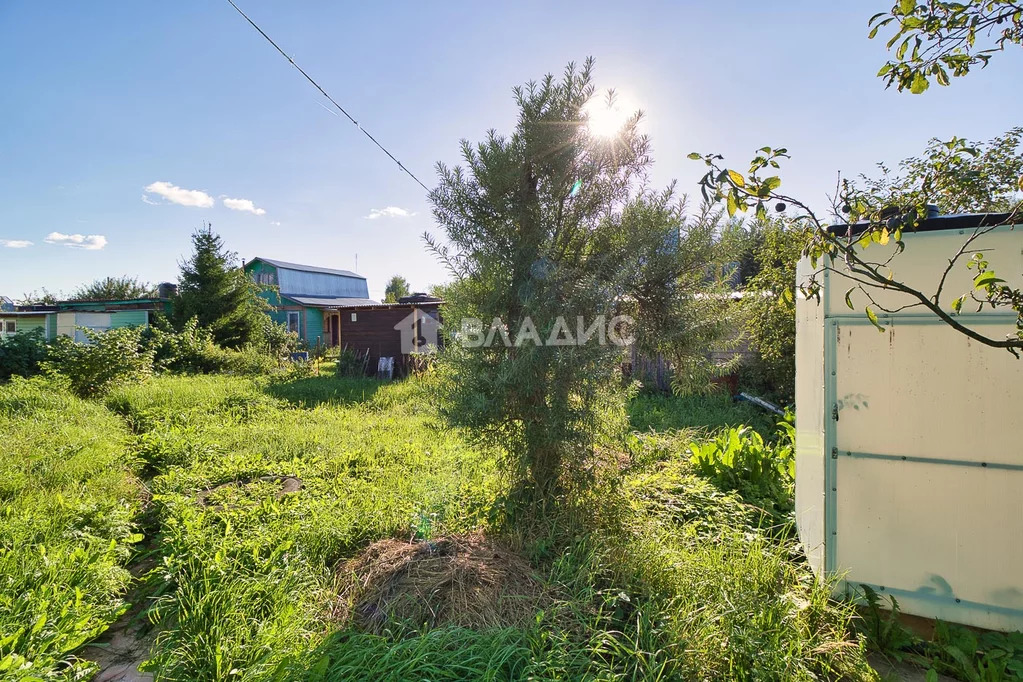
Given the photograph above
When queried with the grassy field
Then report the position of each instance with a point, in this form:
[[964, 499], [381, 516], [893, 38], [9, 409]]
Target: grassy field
[[241, 502]]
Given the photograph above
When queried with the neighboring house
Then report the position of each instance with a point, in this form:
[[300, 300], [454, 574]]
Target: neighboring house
[[66, 318], [309, 299]]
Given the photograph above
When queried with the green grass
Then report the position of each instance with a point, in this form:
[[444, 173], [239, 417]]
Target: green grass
[[656, 412], [656, 574], [69, 498]]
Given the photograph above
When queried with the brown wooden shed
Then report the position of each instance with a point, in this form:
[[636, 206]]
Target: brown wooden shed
[[391, 329]]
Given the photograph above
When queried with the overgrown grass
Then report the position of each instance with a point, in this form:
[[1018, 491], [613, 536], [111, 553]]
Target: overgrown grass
[[69, 498], [655, 574], [657, 412]]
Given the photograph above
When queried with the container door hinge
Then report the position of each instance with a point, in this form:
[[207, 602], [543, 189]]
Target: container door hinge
[[834, 412]]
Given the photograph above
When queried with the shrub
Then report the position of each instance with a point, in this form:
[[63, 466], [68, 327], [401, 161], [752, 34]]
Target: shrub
[[190, 350], [21, 354], [276, 340], [739, 459], [350, 363], [108, 359], [193, 350]]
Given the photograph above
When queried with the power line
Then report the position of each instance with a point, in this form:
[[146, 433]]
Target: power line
[[324, 93]]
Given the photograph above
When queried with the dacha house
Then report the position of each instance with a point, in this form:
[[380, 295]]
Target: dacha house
[[328, 307], [69, 318], [325, 307]]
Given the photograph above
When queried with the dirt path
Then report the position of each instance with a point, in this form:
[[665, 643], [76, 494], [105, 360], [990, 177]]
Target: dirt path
[[126, 643]]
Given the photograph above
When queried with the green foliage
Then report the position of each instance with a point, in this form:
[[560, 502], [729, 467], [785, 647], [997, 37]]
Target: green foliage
[[762, 473], [954, 650], [350, 363], [883, 211], [22, 354], [41, 297], [193, 350], [934, 38], [682, 312], [549, 223], [769, 306], [655, 574], [959, 175], [66, 527], [656, 412], [106, 360], [214, 290], [113, 288], [396, 288]]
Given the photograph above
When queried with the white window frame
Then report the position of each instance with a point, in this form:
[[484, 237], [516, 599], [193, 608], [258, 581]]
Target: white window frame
[[298, 321], [9, 332]]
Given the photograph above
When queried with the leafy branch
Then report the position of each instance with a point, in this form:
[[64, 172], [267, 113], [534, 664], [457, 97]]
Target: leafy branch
[[876, 222], [935, 37]]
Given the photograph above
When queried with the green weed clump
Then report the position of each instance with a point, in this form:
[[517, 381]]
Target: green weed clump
[[762, 473], [109, 359], [66, 527]]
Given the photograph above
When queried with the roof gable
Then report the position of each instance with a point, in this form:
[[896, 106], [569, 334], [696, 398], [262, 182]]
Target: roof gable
[[305, 268]]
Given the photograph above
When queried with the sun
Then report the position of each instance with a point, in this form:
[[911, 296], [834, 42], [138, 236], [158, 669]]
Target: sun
[[606, 116]]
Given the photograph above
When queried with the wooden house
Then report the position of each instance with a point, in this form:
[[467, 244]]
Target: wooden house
[[67, 318], [309, 299]]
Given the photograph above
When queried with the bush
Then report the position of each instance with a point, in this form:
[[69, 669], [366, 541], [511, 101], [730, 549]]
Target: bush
[[276, 340], [108, 359], [350, 363], [739, 459], [21, 354], [194, 351]]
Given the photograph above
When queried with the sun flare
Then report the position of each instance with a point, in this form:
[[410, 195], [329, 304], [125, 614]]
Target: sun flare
[[604, 118]]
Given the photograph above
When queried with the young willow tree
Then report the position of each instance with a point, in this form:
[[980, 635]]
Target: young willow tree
[[549, 238], [218, 293]]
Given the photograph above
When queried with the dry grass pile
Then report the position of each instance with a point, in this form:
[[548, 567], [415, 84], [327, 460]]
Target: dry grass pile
[[466, 581]]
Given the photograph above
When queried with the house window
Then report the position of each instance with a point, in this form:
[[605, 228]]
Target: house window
[[10, 326], [293, 317]]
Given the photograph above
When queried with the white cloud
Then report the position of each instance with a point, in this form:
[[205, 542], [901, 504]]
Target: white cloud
[[15, 243], [389, 212], [243, 205], [90, 242], [179, 195], [275, 223]]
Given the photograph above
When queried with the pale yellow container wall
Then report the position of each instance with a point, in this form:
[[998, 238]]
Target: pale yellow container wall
[[922, 263], [926, 390], [918, 484], [935, 530], [810, 425]]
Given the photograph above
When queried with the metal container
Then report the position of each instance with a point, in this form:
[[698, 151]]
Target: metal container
[[909, 447]]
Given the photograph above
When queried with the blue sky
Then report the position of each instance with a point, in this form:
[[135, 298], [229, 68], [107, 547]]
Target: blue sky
[[100, 101]]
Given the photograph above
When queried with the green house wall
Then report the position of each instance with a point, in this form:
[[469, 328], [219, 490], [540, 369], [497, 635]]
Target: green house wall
[[25, 323], [314, 326], [129, 318]]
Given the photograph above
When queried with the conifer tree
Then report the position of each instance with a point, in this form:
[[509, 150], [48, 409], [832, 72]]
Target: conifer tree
[[217, 292]]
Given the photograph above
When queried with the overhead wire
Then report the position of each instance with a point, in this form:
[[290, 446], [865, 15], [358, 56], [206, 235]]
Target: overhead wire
[[329, 98]]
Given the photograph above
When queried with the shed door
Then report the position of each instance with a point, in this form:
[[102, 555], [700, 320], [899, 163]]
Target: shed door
[[927, 487]]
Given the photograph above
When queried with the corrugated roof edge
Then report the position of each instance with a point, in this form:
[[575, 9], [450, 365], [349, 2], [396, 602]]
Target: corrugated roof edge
[[329, 301], [387, 306], [957, 221], [305, 268]]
